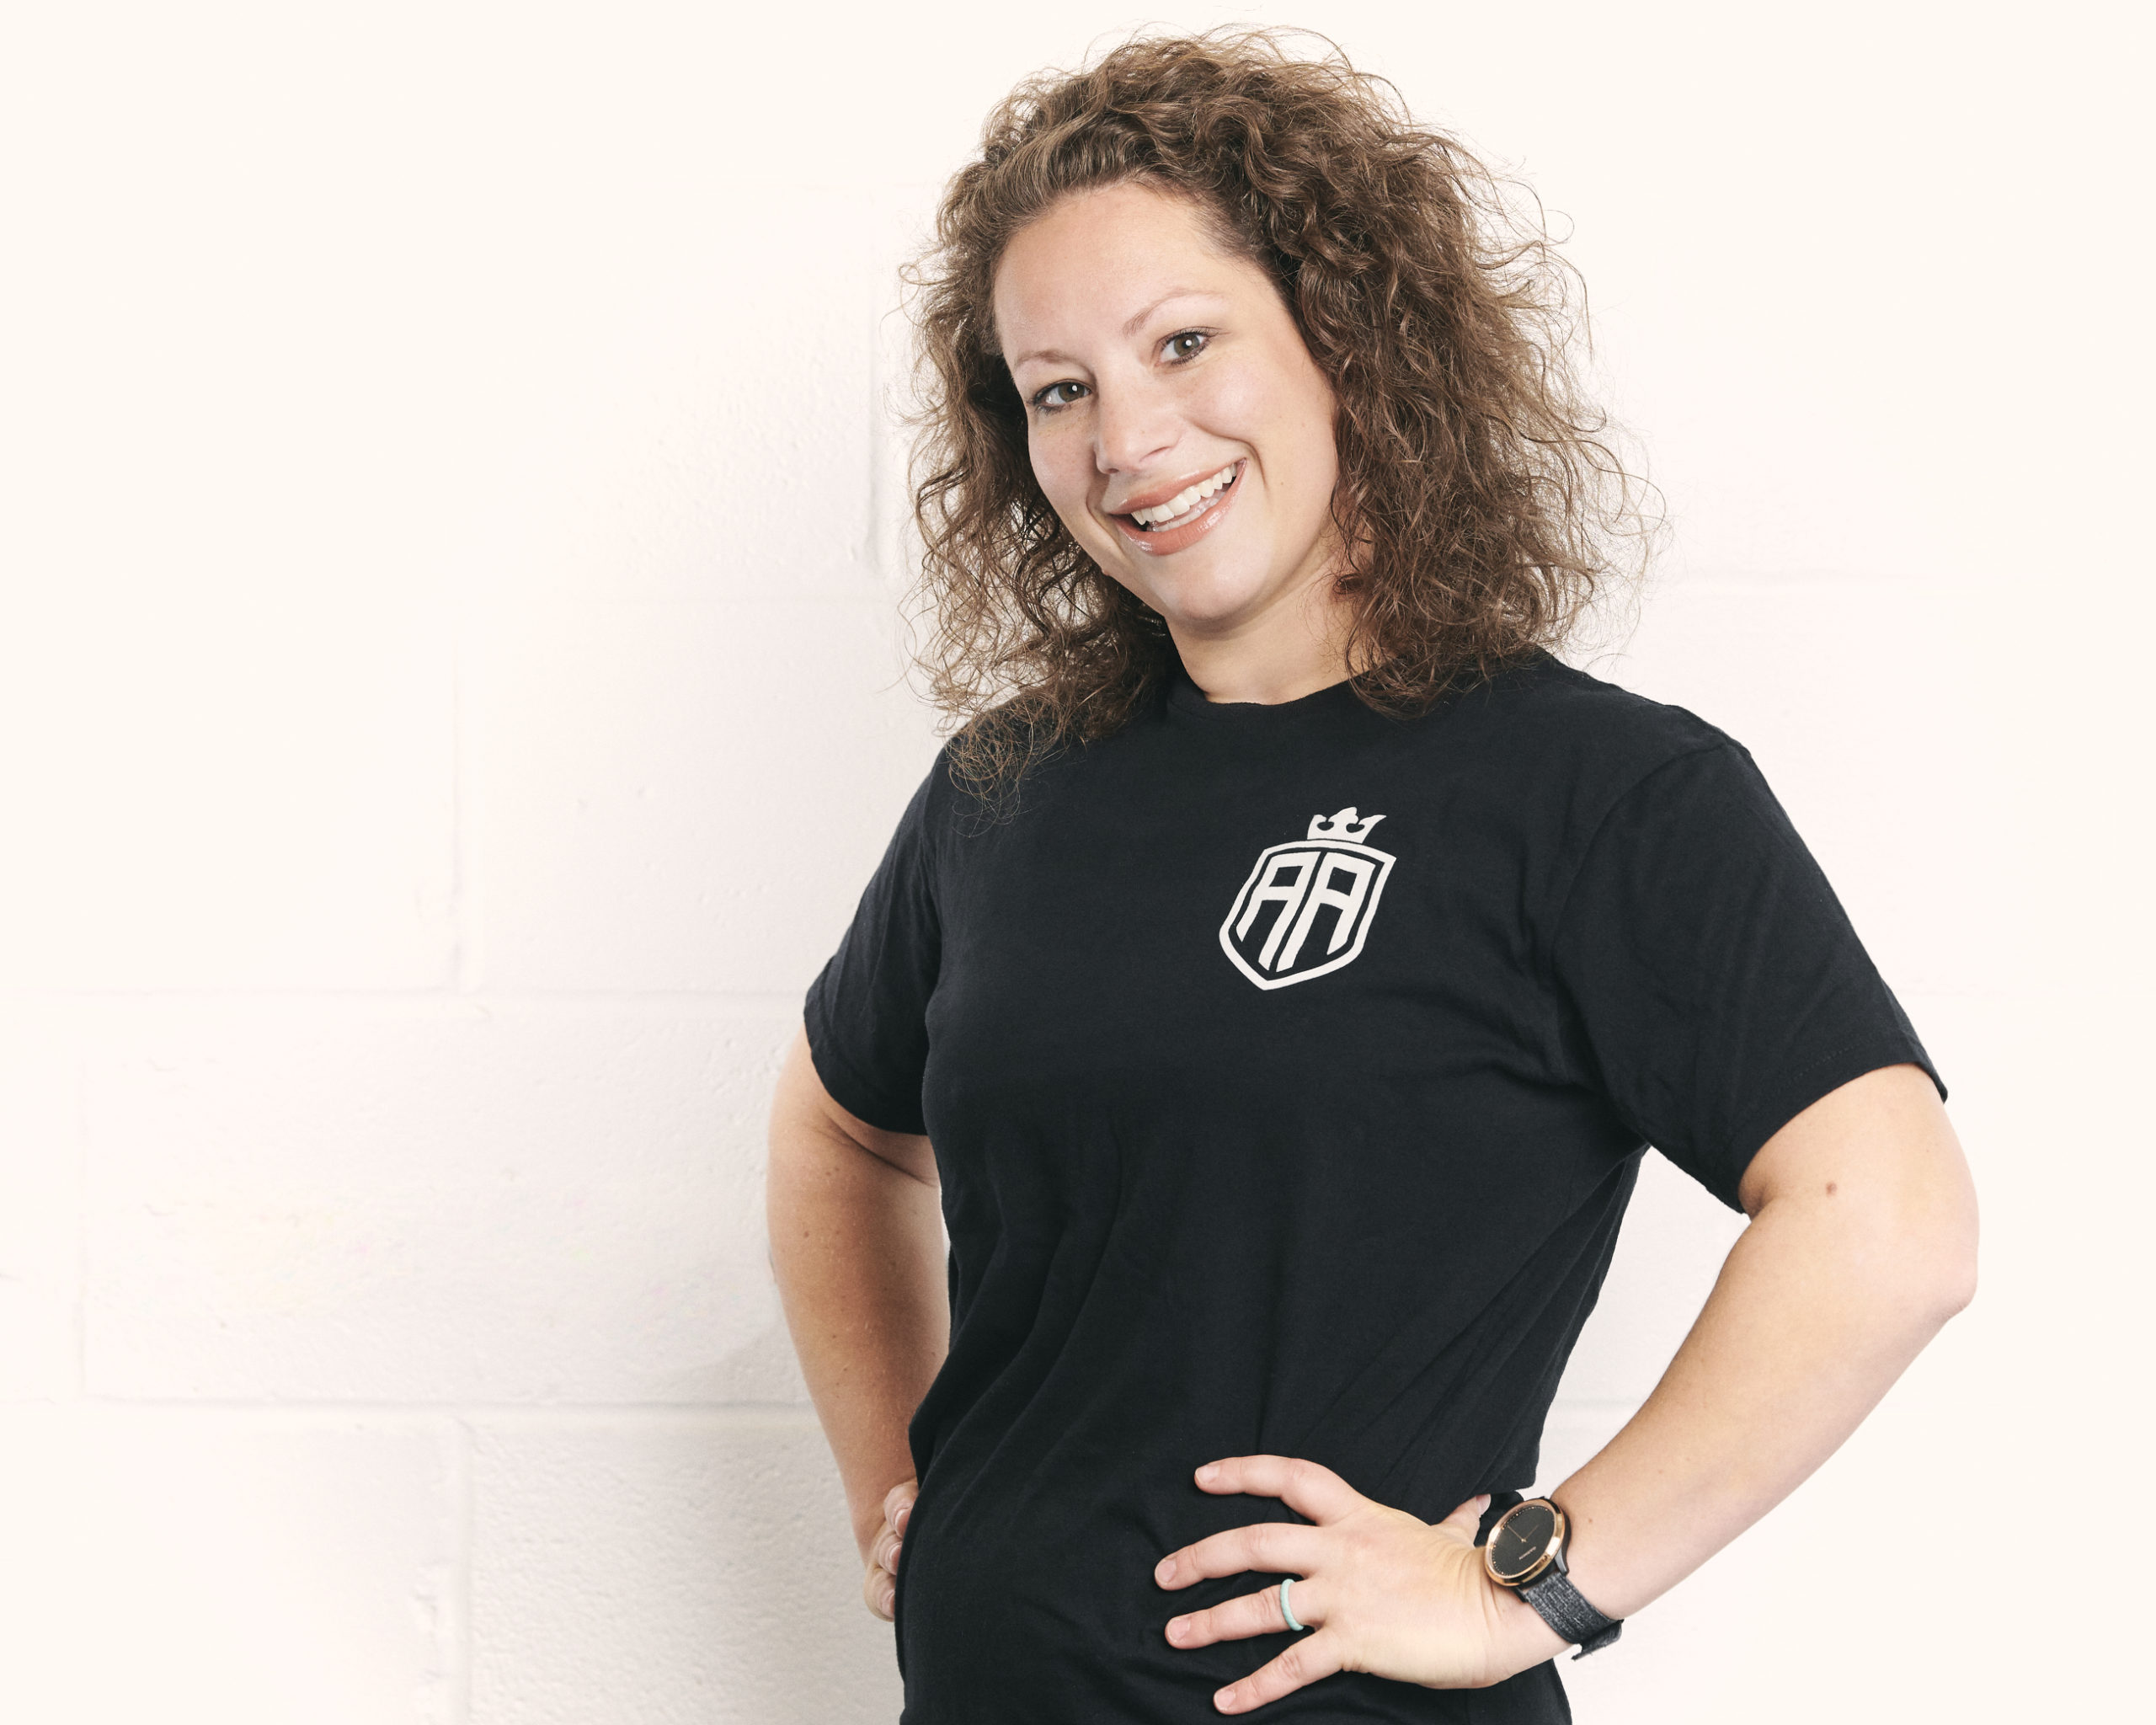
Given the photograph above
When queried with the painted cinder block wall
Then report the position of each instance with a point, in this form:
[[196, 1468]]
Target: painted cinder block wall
[[450, 696]]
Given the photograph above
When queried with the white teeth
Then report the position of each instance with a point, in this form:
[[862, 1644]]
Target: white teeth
[[1184, 501]]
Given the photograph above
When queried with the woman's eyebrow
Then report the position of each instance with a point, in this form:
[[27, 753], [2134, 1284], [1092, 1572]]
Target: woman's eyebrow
[[1137, 321], [1053, 354]]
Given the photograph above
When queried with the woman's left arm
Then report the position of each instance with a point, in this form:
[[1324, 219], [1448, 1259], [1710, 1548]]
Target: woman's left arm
[[1863, 1242]]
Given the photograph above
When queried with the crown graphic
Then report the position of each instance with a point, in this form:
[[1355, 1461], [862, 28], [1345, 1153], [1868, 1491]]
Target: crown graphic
[[1342, 825]]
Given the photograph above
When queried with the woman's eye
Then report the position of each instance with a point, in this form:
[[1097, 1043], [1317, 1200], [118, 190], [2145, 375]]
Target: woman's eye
[[1058, 395], [1185, 345]]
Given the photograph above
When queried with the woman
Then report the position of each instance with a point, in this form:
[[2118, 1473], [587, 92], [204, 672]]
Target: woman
[[1289, 973]]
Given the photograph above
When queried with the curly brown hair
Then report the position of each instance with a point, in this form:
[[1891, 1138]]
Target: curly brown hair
[[1480, 496]]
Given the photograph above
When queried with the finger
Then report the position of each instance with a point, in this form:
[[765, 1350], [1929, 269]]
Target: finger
[[1253, 1614], [1305, 1662], [897, 1502], [1305, 1487], [1468, 1518], [885, 1550], [1283, 1547], [879, 1594]]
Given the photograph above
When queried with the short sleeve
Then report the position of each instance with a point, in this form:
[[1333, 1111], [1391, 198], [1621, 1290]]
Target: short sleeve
[[1719, 988], [866, 1014]]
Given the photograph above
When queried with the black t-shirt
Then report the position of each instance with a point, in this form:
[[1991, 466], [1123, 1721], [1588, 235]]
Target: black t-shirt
[[1287, 1069]]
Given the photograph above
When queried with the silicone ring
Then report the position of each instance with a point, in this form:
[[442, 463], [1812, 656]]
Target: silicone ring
[[1288, 1610]]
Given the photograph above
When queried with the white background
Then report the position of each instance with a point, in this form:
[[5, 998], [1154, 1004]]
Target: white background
[[450, 699]]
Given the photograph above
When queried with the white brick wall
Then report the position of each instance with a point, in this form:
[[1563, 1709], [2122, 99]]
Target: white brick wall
[[449, 701]]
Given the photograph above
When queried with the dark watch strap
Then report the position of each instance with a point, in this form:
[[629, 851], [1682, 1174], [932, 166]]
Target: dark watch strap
[[1559, 1602]]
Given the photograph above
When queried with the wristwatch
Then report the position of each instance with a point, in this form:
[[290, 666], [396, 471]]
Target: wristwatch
[[1526, 1552]]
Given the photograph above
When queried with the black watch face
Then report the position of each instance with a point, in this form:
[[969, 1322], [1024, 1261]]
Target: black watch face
[[1519, 1542]]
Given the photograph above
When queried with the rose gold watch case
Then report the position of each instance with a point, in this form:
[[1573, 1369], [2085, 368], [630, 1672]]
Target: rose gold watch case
[[1543, 1560]]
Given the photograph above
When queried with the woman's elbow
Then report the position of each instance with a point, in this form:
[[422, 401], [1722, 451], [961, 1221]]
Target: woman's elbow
[[1956, 1271], [1933, 1244], [1905, 1251]]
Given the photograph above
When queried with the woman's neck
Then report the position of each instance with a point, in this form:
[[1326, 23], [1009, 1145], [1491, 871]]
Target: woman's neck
[[1283, 656]]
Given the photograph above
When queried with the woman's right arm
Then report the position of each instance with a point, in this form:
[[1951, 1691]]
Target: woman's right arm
[[856, 1243]]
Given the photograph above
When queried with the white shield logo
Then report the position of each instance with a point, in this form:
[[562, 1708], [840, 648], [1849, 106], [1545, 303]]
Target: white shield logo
[[1307, 905]]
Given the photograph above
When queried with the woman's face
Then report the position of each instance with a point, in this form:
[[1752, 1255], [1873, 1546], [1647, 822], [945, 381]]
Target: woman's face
[[1175, 420]]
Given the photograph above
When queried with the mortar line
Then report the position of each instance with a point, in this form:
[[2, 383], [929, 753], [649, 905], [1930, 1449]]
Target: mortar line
[[873, 532], [459, 819], [464, 1514], [79, 1306], [414, 996], [745, 1416]]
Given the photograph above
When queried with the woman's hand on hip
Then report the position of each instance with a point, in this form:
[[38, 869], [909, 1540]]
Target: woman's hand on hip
[[879, 1586], [1379, 1591]]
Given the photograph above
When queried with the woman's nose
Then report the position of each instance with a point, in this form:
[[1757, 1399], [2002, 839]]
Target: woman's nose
[[1134, 424]]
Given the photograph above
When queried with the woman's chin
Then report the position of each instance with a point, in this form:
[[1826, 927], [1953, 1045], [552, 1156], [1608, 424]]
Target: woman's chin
[[1206, 597], [1214, 610]]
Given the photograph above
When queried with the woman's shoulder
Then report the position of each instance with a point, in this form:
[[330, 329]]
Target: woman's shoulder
[[981, 775], [1543, 716]]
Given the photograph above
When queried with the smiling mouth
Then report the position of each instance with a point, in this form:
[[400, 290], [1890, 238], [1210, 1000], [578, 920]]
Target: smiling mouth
[[1186, 506]]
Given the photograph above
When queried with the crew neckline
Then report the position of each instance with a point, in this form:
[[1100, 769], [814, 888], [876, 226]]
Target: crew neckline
[[1187, 699]]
